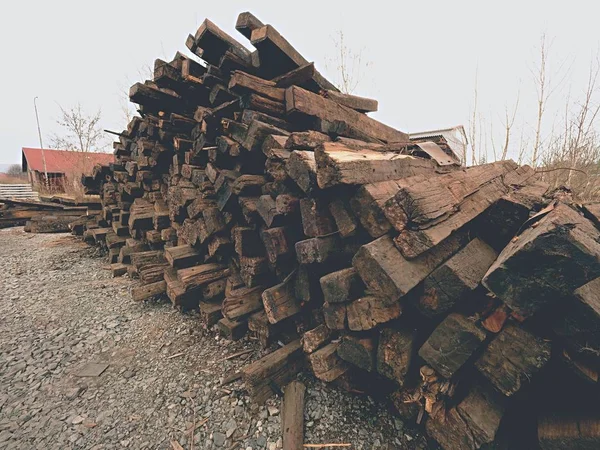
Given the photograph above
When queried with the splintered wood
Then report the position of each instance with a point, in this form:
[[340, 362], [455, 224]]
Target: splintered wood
[[251, 189]]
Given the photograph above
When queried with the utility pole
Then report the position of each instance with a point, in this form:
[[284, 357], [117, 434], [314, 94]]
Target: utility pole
[[41, 144]]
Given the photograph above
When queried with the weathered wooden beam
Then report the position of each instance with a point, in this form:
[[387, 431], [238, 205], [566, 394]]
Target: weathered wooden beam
[[386, 272], [452, 282], [452, 344], [275, 369], [299, 100], [360, 104], [292, 416], [546, 262], [337, 164]]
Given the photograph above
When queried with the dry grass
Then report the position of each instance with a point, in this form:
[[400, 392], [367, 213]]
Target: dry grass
[[10, 179]]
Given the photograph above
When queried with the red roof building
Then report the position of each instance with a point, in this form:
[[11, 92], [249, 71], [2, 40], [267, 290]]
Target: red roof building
[[62, 166]]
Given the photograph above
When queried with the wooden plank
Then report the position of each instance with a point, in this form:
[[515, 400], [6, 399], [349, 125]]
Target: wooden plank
[[292, 416], [299, 100]]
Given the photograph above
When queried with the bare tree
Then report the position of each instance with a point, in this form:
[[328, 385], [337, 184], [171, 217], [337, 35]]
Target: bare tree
[[349, 65], [573, 157], [82, 132], [15, 170], [545, 86], [473, 129], [509, 122]]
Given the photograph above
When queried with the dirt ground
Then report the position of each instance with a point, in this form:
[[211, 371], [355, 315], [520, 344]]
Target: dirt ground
[[84, 367]]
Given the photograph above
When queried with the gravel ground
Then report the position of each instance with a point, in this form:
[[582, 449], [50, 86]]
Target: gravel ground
[[61, 315]]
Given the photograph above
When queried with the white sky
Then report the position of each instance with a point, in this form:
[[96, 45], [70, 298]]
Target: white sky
[[424, 55]]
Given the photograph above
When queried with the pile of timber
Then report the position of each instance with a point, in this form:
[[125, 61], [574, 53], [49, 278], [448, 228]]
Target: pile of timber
[[39, 217], [250, 188]]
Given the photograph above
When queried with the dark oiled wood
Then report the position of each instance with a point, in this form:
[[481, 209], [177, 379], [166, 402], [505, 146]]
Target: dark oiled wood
[[338, 164], [343, 217], [342, 286], [201, 275], [512, 359], [396, 353], [147, 291], [367, 312], [292, 416], [182, 256], [386, 272], [359, 351], [280, 302], [242, 302], [214, 43], [316, 219], [278, 56], [278, 367], [246, 23], [441, 208], [580, 325], [546, 262], [210, 312], [456, 278], [306, 140], [326, 363], [279, 243], [470, 425], [317, 250], [302, 168], [234, 330], [243, 83], [257, 133], [368, 203], [296, 77], [452, 344], [299, 100], [265, 331], [563, 432], [360, 104], [315, 338], [335, 316]]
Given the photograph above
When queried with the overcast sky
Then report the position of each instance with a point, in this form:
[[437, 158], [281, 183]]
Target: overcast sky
[[423, 55]]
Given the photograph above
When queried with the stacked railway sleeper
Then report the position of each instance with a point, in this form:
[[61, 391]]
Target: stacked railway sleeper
[[251, 188]]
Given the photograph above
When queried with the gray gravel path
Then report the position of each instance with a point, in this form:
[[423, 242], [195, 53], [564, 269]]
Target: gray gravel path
[[61, 314]]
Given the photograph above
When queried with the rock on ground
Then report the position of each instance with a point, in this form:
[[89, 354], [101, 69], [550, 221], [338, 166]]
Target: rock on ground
[[156, 373]]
